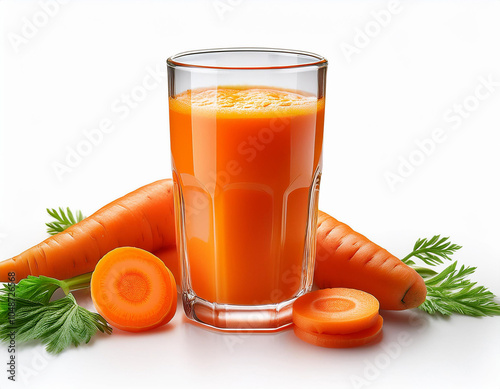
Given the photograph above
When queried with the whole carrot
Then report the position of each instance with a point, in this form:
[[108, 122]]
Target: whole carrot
[[143, 218], [345, 258]]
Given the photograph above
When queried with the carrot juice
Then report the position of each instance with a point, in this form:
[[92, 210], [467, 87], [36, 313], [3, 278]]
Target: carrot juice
[[246, 164]]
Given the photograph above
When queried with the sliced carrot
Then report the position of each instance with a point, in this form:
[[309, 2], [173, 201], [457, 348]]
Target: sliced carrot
[[354, 339], [335, 311], [133, 290]]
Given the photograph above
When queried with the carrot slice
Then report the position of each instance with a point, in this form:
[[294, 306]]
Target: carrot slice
[[133, 290], [335, 311], [354, 339]]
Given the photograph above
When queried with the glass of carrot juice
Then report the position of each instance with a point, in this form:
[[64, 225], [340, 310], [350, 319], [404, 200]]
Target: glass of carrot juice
[[246, 134]]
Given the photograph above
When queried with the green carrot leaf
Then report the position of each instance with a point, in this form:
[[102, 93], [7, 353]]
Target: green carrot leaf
[[432, 251], [40, 289], [37, 289], [63, 219], [449, 291], [58, 324]]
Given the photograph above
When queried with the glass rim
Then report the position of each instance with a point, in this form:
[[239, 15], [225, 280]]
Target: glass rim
[[316, 59]]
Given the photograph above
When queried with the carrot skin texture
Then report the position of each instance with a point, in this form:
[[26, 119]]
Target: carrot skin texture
[[143, 218], [345, 258]]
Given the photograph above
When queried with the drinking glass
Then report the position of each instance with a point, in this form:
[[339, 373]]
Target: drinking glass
[[246, 134]]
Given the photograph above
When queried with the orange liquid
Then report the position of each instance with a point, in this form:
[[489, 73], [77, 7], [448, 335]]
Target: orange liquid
[[245, 161]]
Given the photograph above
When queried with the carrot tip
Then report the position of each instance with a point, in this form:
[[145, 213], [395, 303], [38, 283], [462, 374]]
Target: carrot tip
[[416, 294]]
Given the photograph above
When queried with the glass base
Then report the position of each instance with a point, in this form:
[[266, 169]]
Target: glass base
[[238, 318]]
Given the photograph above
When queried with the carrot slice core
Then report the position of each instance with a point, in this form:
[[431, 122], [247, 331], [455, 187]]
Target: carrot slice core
[[133, 287], [334, 304]]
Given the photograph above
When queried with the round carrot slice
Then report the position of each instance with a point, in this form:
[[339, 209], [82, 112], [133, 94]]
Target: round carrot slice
[[335, 311], [354, 339], [133, 290]]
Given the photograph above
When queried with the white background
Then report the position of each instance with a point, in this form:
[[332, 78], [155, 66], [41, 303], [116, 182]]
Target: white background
[[63, 77]]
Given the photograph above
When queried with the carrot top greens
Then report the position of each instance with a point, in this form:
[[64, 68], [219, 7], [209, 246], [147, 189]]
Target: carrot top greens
[[432, 251], [63, 220], [57, 324], [450, 291]]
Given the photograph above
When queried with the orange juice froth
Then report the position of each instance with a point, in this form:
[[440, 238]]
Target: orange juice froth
[[245, 160]]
